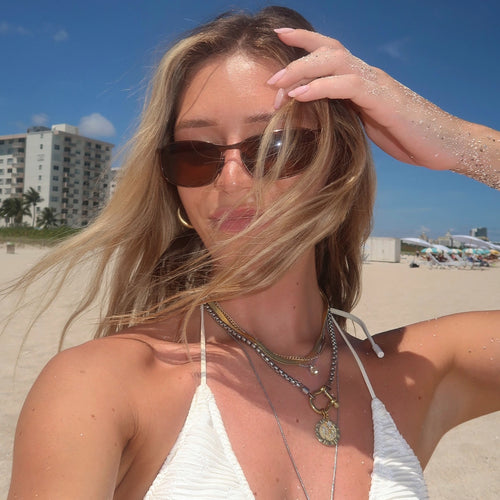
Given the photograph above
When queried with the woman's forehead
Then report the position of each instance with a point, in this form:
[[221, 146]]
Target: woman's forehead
[[231, 85]]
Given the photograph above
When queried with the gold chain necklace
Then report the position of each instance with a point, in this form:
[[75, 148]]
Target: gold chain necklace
[[307, 361]]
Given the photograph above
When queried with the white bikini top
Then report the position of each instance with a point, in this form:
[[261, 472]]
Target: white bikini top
[[202, 463]]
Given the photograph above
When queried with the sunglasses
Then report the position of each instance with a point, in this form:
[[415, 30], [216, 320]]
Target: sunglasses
[[198, 163]]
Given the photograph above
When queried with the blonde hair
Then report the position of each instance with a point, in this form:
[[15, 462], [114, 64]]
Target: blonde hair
[[161, 268]]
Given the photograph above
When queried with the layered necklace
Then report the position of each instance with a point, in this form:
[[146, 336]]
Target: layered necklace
[[308, 361], [327, 432]]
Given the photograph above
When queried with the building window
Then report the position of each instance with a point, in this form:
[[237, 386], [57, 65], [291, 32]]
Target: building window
[[39, 167], [39, 177], [55, 177], [55, 188], [41, 146], [56, 167]]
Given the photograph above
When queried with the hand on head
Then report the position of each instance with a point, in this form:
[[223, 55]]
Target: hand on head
[[399, 121]]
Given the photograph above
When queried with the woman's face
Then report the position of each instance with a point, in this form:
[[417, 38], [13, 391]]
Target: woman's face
[[226, 102]]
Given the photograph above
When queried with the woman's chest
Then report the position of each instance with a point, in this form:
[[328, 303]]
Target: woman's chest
[[269, 427]]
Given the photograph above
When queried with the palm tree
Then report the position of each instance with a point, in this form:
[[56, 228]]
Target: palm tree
[[48, 218], [32, 197], [14, 208]]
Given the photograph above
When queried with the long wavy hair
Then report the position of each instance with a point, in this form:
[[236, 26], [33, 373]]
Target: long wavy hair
[[156, 267]]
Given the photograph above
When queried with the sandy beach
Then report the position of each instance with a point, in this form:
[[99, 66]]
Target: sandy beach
[[464, 466]]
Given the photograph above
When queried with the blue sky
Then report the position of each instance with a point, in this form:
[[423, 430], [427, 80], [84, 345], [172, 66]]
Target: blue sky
[[87, 64]]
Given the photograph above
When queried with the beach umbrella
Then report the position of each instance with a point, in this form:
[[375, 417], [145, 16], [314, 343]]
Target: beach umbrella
[[475, 242], [477, 251], [442, 248], [416, 241]]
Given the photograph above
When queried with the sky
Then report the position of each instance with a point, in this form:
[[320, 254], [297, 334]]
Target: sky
[[88, 64]]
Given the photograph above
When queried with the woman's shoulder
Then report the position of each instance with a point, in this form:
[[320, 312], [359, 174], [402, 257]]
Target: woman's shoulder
[[117, 357]]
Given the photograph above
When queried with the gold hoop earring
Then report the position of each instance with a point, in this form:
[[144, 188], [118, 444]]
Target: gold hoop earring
[[182, 220]]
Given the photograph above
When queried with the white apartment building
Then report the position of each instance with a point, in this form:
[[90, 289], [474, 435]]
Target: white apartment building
[[12, 152], [71, 172]]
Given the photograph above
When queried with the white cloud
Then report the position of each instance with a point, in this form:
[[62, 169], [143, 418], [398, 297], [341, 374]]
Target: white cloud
[[7, 29], [40, 119], [95, 125], [395, 48], [61, 35]]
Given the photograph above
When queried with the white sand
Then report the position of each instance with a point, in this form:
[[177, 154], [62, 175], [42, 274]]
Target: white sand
[[467, 460]]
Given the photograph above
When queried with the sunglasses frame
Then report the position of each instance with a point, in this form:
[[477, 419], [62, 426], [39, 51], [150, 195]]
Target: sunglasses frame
[[214, 155]]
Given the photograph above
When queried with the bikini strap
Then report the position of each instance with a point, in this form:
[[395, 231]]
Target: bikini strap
[[203, 354], [358, 361]]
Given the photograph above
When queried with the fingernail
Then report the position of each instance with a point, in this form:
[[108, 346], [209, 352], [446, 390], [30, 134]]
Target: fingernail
[[298, 91], [276, 77], [279, 98], [283, 30]]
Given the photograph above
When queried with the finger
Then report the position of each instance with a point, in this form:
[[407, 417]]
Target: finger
[[308, 40], [324, 61], [369, 98], [331, 87]]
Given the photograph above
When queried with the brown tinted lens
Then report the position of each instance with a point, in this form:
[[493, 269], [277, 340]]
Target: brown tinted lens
[[303, 143], [190, 163]]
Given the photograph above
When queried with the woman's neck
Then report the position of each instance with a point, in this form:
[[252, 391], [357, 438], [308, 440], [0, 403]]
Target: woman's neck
[[286, 317]]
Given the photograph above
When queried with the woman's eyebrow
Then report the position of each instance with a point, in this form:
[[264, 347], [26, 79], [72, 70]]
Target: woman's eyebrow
[[259, 117], [202, 122], [195, 123]]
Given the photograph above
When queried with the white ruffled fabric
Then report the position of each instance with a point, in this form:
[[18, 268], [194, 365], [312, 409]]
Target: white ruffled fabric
[[202, 464], [397, 473]]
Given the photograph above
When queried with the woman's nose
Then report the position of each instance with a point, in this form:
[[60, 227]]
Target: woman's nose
[[234, 173]]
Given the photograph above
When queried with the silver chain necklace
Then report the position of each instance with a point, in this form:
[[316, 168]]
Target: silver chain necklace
[[282, 432], [327, 432]]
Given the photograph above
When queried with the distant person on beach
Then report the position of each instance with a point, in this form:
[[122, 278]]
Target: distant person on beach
[[230, 258]]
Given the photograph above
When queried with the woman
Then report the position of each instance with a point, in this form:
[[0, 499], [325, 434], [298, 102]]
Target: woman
[[237, 227]]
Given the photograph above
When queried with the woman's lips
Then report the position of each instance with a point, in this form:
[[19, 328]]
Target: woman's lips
[[233, 220]]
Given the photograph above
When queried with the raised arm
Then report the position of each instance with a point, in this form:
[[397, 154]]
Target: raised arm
[[399, 121]]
